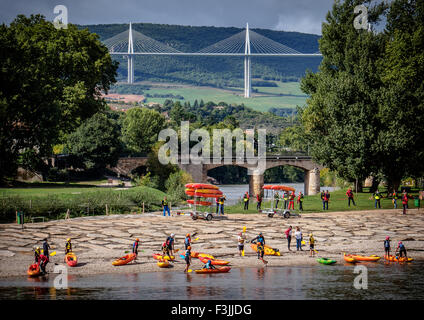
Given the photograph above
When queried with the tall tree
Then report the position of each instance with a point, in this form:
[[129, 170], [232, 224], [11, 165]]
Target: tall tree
[[340, 119], [50, 81]]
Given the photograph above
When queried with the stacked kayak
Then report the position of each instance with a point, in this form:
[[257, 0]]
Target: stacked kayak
[[158, 256], [216, 262], [326, 261], [200, 203], [349, 258], [398, 259], [203, 190], [34, 270], [268, 250], [372, 258], [217, 270], [124, 260], [71, 259]]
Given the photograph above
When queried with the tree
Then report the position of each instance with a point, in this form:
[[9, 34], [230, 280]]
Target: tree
[[51, 80], [341, 117], [140, 129], [95, 144]]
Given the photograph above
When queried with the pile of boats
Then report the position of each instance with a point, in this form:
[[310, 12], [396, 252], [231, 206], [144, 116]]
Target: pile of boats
[[354, 258]]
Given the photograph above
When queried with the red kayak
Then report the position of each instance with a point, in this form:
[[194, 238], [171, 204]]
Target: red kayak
[[124, 260], [215, 262], [34, 270], [71, 259], [218, 270]]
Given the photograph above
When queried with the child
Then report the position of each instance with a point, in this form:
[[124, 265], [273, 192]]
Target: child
[[187, 258], [241, 238], [387, 246], [311, 245]]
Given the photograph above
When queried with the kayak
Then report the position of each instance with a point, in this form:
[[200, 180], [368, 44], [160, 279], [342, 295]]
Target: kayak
[[218, 270], [398, 259], [372, 258], [278, 187], [71, 259], [159, 257], [164, 264], [124, 260], [34, 270], [348, 258], [202, 203], [214, 262], [326, 261], [268, 250], [201, 255], [201, 186]]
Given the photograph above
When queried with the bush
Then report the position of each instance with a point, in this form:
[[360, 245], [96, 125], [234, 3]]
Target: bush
[[175, 185]]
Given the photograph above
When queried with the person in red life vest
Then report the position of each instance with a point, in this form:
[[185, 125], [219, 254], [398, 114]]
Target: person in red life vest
[[288, 233], [259, 201], [300, 201], [325, 196], [246, 201], [404, 201], [395, 198], [349, 194], [291, 200], [44, 260]]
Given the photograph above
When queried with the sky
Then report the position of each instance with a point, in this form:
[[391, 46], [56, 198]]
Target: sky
[[283, 15]]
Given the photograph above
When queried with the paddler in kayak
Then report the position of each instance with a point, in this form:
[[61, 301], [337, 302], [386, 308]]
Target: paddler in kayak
[[209, 265], [187, 258]]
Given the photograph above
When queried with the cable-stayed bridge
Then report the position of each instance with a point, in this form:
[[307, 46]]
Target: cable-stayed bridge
[[246, 43]]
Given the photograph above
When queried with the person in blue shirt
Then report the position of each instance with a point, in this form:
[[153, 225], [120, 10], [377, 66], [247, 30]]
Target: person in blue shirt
[[170, 244], [387, 246], [402, 250], [260, 241], [187, 258], [209, 265]]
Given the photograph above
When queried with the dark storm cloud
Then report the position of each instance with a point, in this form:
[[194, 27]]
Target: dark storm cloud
[[288, 15]]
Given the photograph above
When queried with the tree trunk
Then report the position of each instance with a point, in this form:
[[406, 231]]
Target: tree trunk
[[375, 183], [357, 184]]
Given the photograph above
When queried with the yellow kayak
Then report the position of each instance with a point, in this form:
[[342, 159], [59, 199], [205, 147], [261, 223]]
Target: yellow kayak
[[268, 250]]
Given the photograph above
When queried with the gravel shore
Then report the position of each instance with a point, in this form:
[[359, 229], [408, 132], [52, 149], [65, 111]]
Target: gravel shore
[[99, 240]]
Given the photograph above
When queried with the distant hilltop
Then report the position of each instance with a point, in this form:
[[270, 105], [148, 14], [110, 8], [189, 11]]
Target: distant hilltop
[[214, 71]]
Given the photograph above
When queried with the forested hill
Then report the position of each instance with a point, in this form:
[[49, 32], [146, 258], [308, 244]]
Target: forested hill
[[218, 71]]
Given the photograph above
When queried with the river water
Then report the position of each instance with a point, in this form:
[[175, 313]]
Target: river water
[[385, 282], [235, 192]]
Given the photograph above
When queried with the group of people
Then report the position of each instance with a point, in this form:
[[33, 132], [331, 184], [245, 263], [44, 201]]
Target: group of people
[[395, 197], [42, 257], [287, 197], [400, 249], [299, 240]]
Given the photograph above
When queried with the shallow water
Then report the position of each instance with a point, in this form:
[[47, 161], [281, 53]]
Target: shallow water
[[385, 281]]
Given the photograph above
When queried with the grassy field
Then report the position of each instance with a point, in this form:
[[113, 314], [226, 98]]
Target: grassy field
[[286, 95], [338, 202]]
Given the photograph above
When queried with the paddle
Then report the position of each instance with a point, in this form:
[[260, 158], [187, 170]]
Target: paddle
[[128, 251], [53, 253]]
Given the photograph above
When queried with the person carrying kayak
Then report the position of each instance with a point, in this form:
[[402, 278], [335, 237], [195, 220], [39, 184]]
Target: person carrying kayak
[[288, 234], [260, 245], [349, 194], [246, 201], [402, 250], [311, 245], [37, 254], [68, 246], [387, 246], [291, 200], [377, 198], [165, 207], [241, 238], [187, 258], [259, 201], [300, 200]]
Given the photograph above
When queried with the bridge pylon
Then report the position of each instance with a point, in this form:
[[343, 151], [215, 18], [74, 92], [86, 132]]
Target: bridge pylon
[[130, 56], [247, 69]]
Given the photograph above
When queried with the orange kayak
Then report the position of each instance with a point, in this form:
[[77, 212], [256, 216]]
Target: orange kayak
[[348, 258], [202, 255], [158, 256], [202, 203], [215, 262], [398, 259], [124, 260], [71, 259], [218, 270], [34, 270], [372, 258]]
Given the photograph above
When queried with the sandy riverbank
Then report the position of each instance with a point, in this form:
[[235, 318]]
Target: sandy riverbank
[[99, 240]]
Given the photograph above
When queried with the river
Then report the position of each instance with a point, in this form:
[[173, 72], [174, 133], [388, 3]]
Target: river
[[385, 282]]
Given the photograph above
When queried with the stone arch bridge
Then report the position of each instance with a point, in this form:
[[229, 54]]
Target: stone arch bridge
[[256, 181]]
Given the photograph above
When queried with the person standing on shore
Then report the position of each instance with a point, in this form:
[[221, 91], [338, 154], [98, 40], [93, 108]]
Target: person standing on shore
[[165, 207], [217, 205], [277, 199], [404, 201], [311, 245], [402, 250], [68, 246], [377, 198], [170, 244], [241, 238], [326, 198], [288, 234], [259, 201], [387, 247], [300, 200], [349, 194], [37, 254], [187, 258], [323, 201], [286, 199], [246, 201], [291, 200], [135, 248], [299, 238], [394, 198], [221, 205]]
